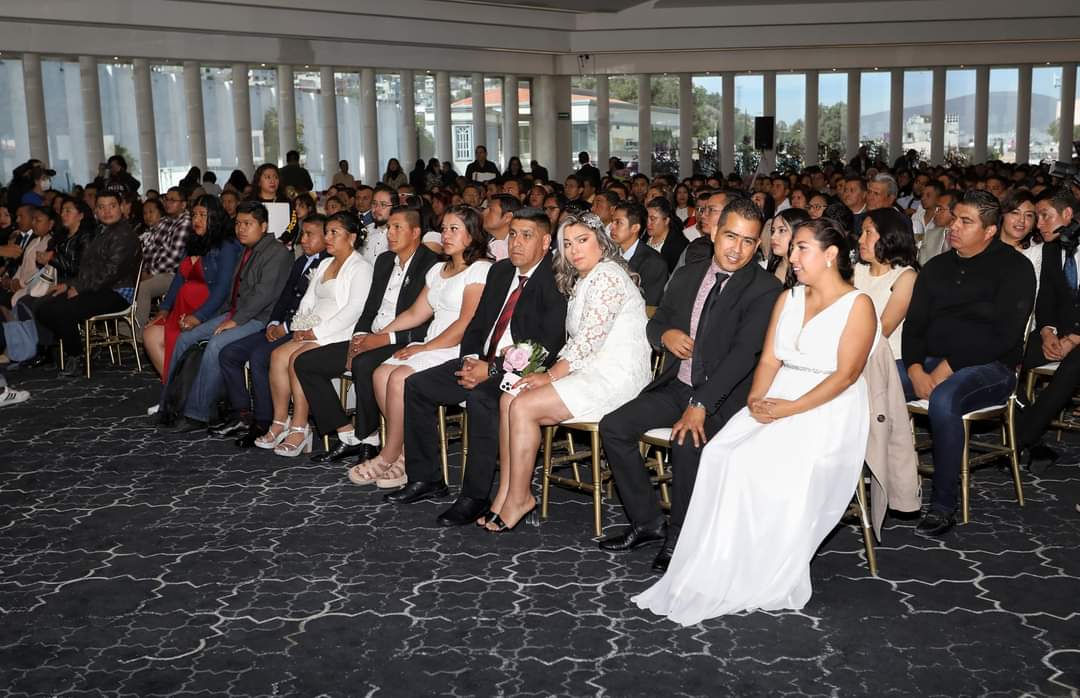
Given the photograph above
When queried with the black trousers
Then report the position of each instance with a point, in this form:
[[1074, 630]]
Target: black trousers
[[424, 392], [316, 368], [62, 315], [620, 431], [1053, 398]]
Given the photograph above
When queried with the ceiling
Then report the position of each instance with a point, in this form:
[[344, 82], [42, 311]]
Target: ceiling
[[572, 6]]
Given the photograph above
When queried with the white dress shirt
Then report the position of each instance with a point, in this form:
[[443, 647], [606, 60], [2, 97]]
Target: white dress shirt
[[388, 307]]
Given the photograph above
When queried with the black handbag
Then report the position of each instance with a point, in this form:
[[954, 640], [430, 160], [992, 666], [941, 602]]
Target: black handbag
[[179, 386]]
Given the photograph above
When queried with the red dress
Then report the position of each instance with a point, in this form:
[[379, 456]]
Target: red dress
[[193, 293]]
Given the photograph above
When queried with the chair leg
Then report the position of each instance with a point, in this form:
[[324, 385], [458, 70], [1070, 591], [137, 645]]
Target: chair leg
[[442, 444], [665, 494], [86, 346], [545, 481], [1029, 387], [867, 529], [1014, 459], [464, 441], [60, 359], [326, 442], [382, 430], [597, 484], [965, 474], [343, 393], [135, 345]]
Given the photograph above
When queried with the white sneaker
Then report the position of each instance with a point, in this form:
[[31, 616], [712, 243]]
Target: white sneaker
[[13, 397], [153, 410]]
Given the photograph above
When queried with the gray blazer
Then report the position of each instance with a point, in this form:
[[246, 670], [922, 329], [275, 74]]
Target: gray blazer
[[933, 244], [261, 280]]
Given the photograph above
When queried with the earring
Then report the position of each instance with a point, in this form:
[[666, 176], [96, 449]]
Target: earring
[[828, 264]]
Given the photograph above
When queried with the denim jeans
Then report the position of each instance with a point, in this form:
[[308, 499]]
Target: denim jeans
[[969, 389], [208, 382]]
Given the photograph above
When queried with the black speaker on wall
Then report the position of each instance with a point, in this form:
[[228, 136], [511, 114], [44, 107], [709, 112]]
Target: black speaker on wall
[[763, 132]]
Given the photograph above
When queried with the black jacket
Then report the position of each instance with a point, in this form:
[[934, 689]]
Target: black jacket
[[111, 260], [296, 177], [734, 333], [1057, 306], [69, 252], [539, 316], [423, 259], [652, 272], [295, 288], [672, 249]]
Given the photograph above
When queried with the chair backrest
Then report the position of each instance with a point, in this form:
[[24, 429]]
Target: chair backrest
[[135, 292]]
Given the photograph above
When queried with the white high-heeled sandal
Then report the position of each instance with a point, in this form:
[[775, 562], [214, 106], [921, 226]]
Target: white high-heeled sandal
[[290, 450], [272, 442]]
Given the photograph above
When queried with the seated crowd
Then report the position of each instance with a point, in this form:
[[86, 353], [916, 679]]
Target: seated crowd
[[420, 287]]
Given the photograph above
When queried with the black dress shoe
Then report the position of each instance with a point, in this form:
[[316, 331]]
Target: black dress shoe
[[1040, 458], [463, 511], [74, 366], [187, 425], [43, 358], [230, 430], [635, 536], [663, 558], [935, 523], [343, 451], [418, 492], [248, 439]]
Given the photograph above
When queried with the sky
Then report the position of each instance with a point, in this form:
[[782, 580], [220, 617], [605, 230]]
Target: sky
[[875, 89]]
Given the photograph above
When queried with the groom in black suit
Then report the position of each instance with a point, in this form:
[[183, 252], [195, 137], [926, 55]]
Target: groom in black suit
[[520, 303], [711, 326]]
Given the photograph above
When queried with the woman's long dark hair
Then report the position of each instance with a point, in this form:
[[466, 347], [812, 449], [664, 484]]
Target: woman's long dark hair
[[256, 191], [216, 227], [794, 217], [477, 248], [1011, 203], [828, 233], [675, 224], [510, 171], [87, 226], [895, 245], [239, 181]]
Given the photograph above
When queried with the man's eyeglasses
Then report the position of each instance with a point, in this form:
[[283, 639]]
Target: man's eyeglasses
[[381, 204], [817, 207]]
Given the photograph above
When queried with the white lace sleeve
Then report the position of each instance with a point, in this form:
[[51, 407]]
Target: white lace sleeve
[[604, 299]]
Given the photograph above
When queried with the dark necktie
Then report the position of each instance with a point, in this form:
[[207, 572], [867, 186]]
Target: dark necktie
[[703, 319], [504, 318], [1070, 270]]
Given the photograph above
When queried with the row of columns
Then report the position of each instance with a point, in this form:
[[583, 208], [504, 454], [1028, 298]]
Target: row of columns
[[551, 125]]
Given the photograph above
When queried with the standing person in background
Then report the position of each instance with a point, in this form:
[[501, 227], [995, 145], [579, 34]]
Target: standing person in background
[[394, 177], [295, 176], [342, 176], [481, 169]]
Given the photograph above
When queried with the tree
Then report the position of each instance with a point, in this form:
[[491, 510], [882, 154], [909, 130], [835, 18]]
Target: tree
[[132, 161], [1055, 128], [271, 138]]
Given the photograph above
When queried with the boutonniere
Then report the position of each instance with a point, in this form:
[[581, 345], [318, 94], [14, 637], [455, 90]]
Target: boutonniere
[[405, 281], [310, 273]]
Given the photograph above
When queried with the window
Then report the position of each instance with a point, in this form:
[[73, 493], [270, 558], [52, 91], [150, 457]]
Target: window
[[1045, 108], [959, 116], [1076, 123], [118, 113], [262, 88], [218, 118], [583, 117], [749, 104], [461, 110], [623, 101], [832, 116], [170, 124], [790, 121], [525, 121], [918, 99], [63, 118], [875, 100], [14, 134], [388, 119], [307, 87], [493, 103], [664, 116], [1001, 129], [463, 147], [347, 96], [424, 94], [708, 110]]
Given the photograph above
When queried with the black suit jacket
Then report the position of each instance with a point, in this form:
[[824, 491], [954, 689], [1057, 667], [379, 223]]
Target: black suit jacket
[[652, 271], [423, 259], [734, 333], [1057, 305], [539, 316], [672, 249], [295, 288]]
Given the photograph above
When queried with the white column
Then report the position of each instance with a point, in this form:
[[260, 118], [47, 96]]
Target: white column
[[369, 125], [328, 117], [241, 99], [854, 93], [982, 111], [444, 147], [896, 114], [564, 143], [603, 122], [511, 141], [144, 116], [727, 123], [286, 112], [769, 109], [1068, 112], [544, 128], [810, 120], [479, 113], [1023, 115], [937, 118], [35, 107], [644, 114], [91, 100], [195, 124], [407, 140]]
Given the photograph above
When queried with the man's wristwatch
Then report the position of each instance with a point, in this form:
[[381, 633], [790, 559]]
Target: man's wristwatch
[[694, 402], [491, 368]]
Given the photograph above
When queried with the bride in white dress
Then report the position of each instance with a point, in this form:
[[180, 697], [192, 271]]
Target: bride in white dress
[[603, 365], [776, 480]]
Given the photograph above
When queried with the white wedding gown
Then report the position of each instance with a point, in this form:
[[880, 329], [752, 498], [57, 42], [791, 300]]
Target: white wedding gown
[[767, 494]]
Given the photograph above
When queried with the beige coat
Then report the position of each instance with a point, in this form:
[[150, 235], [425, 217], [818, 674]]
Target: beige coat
[[890, 450]]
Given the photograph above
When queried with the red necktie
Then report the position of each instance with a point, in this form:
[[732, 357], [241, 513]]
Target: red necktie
[[236, 281], [504, 318]]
